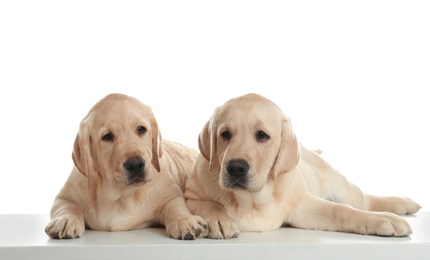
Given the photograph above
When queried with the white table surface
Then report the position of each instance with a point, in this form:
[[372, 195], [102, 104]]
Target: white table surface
[[23, 237]]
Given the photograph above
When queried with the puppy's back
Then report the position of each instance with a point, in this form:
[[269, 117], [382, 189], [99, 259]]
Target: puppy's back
[[180, 161]]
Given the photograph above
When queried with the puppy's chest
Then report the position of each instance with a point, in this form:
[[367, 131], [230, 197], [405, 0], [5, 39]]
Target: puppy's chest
[[122, 214], [258, 214]]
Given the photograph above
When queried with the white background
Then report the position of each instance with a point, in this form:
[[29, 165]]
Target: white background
[[353, 76]]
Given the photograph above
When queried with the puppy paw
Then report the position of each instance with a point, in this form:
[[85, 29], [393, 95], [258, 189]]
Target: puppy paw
[[386, 224], [63, 228], [187, 228], [405, 206], [396, 205], [223, 229]]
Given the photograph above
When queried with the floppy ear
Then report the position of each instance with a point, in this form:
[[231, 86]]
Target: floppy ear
[[289, 151], [207, 144], [157, 145], [81, 154]]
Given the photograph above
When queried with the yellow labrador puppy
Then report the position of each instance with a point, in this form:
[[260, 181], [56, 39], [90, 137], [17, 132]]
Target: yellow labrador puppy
[[253, 175], [125, 176]]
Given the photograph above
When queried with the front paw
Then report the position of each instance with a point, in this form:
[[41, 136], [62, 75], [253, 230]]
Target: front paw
[[63, 228], [386, 224], [187, 228], [225, 228]]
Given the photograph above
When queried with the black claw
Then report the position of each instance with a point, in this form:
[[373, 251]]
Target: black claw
[[188, 237], [197, 232]]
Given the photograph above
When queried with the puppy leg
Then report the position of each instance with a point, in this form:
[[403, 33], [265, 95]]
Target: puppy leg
[[67, 220], [220, 225], [319, 214], [340, 190], [179, 221]]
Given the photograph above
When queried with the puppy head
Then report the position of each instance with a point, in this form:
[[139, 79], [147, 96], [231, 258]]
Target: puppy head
[[118, 142], [249, 141]]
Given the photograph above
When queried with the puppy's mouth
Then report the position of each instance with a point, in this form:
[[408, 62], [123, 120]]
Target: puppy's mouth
[[133, 180], [238, 185], [135, 168]]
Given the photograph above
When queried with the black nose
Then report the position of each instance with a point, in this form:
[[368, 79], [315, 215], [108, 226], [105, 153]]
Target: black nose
[[237, 168], [135, 165]]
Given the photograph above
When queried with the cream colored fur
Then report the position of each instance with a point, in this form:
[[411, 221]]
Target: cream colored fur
[[286, 184], [101, 194]]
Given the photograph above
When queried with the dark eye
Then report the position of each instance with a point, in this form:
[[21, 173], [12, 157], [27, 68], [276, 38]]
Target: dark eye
[[141, 130], [262, 136], [226, 135], [108, 137]]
